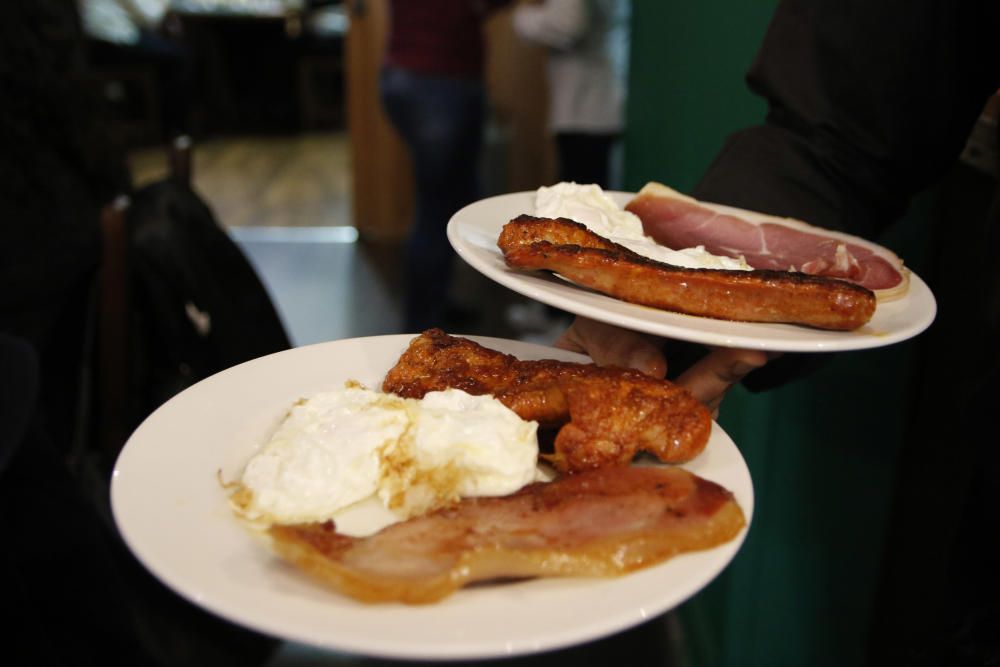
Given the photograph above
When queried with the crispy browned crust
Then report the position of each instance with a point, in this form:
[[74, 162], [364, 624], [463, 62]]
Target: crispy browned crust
[[606, 414], [589, 260], [526, 230], [604, 522]]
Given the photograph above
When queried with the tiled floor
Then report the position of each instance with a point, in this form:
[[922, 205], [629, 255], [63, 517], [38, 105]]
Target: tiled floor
[[324, 283], [287, 201], [300, 180], [328, 285]]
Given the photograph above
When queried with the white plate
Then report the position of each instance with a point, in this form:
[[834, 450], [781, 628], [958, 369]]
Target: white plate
[[473, 232], [174, 515]]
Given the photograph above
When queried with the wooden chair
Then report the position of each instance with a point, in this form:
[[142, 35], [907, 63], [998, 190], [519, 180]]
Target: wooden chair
[[104, 421]]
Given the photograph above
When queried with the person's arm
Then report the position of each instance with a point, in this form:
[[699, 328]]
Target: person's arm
[[869, 103], [556, 24]]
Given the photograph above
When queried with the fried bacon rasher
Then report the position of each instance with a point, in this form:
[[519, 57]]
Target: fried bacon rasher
[[601, 522], [605, 415]]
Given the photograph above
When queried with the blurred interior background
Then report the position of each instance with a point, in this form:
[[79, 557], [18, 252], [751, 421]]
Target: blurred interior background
[[292, 151]]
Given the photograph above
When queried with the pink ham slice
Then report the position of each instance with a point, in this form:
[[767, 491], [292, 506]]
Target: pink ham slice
[[767, 242]]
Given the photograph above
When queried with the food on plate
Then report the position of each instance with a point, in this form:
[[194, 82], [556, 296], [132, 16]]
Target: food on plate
[[339, 448], [602, 522], [768, 242], [450, 449], [590, 206], [585, 258], [605, 415]]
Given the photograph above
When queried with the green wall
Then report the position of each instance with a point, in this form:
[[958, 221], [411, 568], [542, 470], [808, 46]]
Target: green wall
[[686, 84], [822, 451]]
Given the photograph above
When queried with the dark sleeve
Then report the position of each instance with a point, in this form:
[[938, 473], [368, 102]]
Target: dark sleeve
[[869, 103]]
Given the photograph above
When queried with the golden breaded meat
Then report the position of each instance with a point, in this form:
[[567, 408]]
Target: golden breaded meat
[[606, 415]]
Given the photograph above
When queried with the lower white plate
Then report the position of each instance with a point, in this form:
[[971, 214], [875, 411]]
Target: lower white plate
[[171, 509]]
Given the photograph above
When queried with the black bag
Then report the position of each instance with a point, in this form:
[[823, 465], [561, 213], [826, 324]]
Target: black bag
[[197, 306], [175, 301]]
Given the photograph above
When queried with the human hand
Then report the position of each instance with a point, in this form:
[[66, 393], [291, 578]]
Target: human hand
[[708, 379], [711, 377], [609, 345]]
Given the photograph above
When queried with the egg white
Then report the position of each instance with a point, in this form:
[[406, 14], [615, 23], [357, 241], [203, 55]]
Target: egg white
[[589, 205], [365, 459]]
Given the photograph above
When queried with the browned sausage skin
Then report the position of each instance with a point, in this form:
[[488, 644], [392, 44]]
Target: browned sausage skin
[[571, 250]]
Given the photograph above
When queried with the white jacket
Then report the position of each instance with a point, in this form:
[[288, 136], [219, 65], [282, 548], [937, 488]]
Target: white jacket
[[587, 43], [119, 21]]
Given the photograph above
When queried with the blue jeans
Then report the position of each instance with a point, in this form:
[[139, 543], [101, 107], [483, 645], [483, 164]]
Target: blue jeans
[[441, 121]]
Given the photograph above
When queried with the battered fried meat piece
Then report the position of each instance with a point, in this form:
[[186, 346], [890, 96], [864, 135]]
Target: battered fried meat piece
[[574, 252], [598, 523], [606, 415]]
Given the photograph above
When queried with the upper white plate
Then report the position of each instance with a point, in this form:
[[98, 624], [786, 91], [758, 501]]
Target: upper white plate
[[473, 232], [173, 513]]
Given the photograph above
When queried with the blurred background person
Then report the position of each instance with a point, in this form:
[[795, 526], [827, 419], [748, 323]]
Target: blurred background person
[[587, 51], [587, 42], [432, 89]]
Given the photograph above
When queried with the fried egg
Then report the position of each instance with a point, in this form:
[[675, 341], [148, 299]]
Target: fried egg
[[356, 450]]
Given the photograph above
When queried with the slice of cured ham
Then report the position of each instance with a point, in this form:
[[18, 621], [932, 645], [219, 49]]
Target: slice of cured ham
[[767, 242], [603, 522]]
